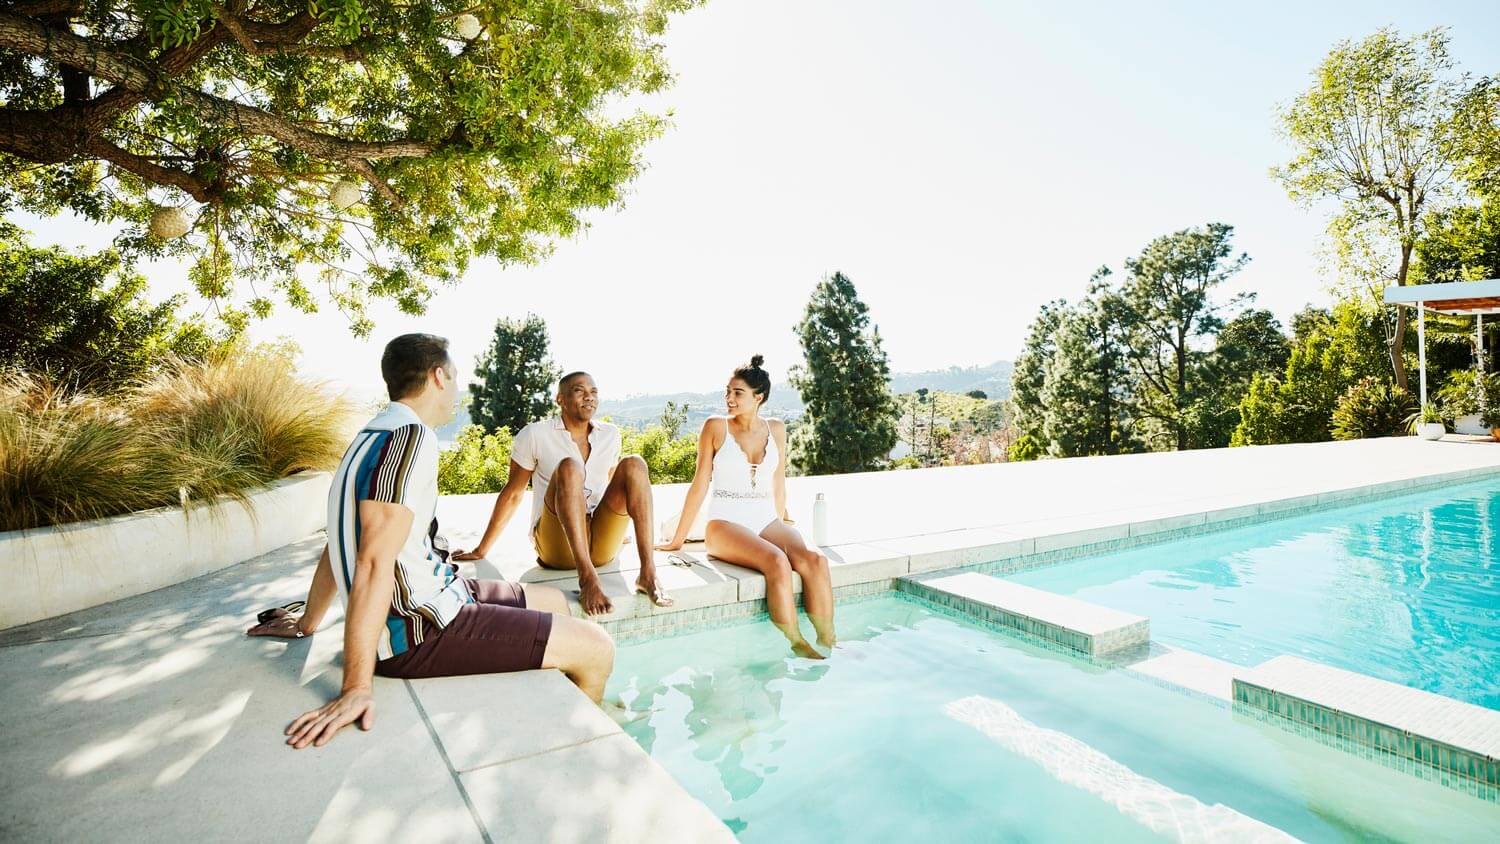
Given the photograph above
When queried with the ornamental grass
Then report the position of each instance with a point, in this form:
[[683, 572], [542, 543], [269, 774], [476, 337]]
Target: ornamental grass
[[191, 433]]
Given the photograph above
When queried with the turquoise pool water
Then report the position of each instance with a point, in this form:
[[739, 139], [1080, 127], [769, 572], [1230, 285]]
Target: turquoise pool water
[[1406, 589], [922, 727]]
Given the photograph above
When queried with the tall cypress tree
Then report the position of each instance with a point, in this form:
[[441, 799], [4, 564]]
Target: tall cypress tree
[[1086, 387], [515, 376], [849, 424]]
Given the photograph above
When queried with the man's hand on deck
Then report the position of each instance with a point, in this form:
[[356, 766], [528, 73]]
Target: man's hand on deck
[[319, 726]]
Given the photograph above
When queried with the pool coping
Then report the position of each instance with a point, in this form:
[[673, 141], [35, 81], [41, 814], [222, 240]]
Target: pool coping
[[710, 591]]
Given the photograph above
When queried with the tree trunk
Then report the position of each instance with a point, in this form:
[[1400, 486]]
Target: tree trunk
[[1398, 336], [1181, 388]]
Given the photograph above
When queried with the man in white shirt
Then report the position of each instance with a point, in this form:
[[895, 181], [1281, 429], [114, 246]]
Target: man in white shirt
[[584, 495]]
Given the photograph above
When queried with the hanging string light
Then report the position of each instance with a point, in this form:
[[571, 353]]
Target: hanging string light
[[343, 194], [468, 26], [170, 223]]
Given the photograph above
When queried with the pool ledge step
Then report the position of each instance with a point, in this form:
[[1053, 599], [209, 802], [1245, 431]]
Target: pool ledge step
[[1087, 628], [1458, 738]]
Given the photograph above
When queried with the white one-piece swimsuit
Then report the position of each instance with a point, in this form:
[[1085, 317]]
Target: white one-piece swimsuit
[[741, 490]]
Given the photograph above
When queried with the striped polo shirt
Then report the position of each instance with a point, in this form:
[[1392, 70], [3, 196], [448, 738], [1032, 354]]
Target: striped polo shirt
[[394, 459]]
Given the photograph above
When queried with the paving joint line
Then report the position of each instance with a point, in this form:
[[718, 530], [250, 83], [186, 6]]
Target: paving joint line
[[458, 783], [535, 754]]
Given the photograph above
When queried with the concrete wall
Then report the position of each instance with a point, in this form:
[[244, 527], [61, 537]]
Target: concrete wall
[[56, 570]]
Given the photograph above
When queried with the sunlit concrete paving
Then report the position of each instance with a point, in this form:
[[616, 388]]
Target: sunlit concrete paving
[[155, 718]]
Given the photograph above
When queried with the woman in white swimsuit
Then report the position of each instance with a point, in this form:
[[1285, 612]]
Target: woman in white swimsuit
[[741, 454]]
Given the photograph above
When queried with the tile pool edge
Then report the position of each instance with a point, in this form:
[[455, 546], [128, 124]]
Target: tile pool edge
[[1455, 738]]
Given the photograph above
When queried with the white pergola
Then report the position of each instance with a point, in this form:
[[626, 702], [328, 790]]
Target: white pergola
[[1458, 298]]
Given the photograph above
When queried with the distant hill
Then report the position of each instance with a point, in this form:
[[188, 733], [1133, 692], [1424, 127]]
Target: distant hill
[[994, 380], [637, 411]]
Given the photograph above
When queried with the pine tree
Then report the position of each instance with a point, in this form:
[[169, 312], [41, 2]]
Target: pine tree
[[1085, 392], [1027, 378], [515, 376], [849, 424]]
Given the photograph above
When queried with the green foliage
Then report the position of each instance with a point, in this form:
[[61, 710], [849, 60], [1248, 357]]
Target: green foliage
[[849, 424], [516, 379], [477, 462], [83, 321], [1024, 448], [670, 459], [1249, 346], [1030, 372], [495, 146], [1085, 392], [1467, 392], [1168, 303], [1371, 407], [193, 432], [1331, 352], [673, 416], [1378, 131], [1461, 244], [1428, 414], [1475, 138]]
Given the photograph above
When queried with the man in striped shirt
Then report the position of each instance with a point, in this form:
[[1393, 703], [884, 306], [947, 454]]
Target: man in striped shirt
[[407, 611]]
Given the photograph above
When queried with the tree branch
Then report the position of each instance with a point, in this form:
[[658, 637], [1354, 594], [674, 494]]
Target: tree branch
[[150, 170], [135, 81]]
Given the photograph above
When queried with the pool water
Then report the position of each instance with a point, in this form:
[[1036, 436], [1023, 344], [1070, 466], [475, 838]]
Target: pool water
[[1406, 589], [925, 727]]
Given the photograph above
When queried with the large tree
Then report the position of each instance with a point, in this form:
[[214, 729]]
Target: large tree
[[1169, 303], [515, 377], [849, 424], [1029, 375], [475, 128], [1249, 346], [1377, 132], [1085, 395]]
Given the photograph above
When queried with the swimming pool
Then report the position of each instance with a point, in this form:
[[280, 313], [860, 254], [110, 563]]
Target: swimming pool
[[924, 726], [1406, 589]]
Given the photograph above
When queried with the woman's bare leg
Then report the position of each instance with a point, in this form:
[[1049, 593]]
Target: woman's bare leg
[[734, 544], [817, 583]]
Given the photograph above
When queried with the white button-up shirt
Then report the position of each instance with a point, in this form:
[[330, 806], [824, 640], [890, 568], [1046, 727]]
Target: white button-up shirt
[[542, 445]]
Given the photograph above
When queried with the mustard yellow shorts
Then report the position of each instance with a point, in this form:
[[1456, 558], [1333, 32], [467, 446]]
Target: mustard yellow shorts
[[606, 535]]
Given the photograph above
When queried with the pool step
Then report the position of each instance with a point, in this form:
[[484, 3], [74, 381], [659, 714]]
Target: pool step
[[1089, 629], [1459, 739]]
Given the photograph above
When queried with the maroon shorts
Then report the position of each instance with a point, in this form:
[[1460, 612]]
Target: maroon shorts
[[491, 636]]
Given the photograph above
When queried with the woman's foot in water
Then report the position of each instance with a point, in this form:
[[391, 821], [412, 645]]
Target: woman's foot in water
[[806, 651], [826, 637]]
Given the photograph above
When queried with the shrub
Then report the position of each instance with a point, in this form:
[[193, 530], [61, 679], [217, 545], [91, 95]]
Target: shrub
[[671, 460], [83, 321], [193, 432], [67, 457], [477, 463], [1025, 447], [1371, 407]]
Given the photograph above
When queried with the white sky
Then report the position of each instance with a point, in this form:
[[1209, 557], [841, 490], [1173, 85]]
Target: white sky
[[962, 162]]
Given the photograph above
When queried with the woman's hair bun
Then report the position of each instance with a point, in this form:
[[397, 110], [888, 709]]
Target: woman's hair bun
[[757, 360]]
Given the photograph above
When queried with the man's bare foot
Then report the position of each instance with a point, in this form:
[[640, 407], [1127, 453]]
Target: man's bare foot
[[591, 598], [806, 651], [651, 589]]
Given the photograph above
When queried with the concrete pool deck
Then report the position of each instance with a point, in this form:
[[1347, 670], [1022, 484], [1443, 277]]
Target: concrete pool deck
[[154, 717]]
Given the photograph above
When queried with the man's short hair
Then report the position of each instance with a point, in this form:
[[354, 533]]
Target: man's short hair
[[408, 359], [568, 379]]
